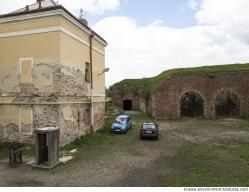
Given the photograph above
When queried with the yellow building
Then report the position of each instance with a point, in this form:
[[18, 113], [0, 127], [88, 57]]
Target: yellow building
[[51, 73]]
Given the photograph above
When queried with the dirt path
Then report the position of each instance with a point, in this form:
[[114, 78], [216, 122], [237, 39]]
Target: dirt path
[[124, 160]]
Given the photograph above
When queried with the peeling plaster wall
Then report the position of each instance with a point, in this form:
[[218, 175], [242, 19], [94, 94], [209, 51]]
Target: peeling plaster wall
[[9, 122], [58, 95], [74, 121], [99, 115]]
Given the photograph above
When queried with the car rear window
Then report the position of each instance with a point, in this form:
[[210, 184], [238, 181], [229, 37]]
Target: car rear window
[[120, 120], [149, 126]]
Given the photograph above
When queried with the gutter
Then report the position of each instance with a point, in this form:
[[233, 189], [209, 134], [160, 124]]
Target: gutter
[[91, 66]]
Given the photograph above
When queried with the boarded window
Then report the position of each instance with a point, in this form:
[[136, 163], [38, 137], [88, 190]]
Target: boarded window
[[88, 72], [26, 119], [26, 70]]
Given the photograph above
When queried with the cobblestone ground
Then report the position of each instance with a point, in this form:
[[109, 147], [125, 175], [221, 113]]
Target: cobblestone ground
[[125, 160]]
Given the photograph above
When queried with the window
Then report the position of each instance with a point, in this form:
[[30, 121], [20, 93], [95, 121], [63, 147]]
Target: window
[[26, 120], [26, 65], [87, 72]]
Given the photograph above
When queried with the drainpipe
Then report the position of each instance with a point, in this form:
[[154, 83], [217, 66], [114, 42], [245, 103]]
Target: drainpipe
[[91, 65]]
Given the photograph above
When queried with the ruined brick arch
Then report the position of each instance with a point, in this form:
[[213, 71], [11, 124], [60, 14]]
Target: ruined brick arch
[[227, 104], [191, 104]]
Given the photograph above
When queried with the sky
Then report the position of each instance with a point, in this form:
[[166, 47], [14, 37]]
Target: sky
[[148, 37]]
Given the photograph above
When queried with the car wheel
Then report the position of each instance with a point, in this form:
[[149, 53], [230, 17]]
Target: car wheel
[[156, 138]]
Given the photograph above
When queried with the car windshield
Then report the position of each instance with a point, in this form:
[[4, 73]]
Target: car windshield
[[149, 126], [120, 120]]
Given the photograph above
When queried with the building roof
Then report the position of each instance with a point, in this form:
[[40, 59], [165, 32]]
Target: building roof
[[144, 87], [46, 6], [37, 5]]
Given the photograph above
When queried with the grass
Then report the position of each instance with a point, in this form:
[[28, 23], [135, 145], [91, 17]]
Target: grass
[[27, 150], [3, 151], [105, 138], [113, 110], [209, 165], [143, 87]]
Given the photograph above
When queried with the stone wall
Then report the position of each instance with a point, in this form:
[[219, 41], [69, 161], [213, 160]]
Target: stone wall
[[166, 99]]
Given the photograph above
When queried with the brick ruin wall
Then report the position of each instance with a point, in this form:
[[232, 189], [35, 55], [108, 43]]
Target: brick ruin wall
[[117, 99], [139, 103], [164, 102], [166, 99], [64, 104]]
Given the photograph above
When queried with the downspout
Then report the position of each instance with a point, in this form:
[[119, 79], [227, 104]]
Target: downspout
[[91, 66]]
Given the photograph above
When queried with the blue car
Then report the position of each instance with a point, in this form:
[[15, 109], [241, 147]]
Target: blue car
[[122, 124]]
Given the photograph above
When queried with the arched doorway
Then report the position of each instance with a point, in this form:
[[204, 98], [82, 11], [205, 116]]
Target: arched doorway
[[192, 105], [227, 104], [127, 105]]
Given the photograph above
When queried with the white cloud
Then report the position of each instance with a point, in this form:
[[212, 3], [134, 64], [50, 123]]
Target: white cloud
[[223, 12], [12, 5], [95, 7], [220, 37]]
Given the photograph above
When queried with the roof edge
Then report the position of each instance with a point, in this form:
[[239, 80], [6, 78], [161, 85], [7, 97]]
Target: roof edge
[[57, 7]]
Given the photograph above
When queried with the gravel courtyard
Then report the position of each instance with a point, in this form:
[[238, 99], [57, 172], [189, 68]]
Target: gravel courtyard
[[188, 153]]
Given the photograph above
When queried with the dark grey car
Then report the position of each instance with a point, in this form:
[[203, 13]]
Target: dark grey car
[[149, 130]]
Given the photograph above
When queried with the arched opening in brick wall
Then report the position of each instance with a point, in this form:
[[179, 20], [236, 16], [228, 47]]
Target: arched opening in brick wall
[[192, 105], [128, 105], [227, 104]]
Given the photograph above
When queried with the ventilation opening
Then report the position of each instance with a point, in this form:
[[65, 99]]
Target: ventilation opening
[[127, 105], [227, 104], [43, 149], [192, 105]]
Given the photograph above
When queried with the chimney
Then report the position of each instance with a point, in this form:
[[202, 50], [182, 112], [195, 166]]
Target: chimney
[[82, 19]]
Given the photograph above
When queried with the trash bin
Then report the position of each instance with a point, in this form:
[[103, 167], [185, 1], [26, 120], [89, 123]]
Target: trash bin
[[15, 154], [47, 147]]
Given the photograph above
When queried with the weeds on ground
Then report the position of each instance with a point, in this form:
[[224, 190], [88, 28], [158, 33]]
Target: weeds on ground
[[209, 165]]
